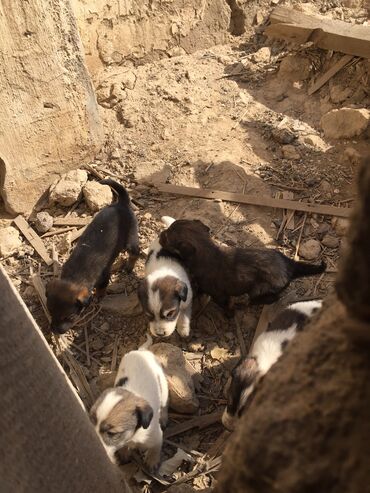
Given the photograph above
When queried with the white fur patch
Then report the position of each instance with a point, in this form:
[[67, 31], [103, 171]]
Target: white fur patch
[[106, 406], [267, 348], [167, 220], [306, 307]]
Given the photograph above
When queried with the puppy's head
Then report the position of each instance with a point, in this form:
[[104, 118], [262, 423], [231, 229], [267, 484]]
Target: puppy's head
[[117, 415], [242, 381], [65, 300], [183, 236], [161, 302]]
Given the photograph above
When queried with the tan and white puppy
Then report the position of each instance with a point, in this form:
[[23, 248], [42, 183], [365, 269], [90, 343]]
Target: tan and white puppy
[[130, 414], [266, 350], [165, 293]]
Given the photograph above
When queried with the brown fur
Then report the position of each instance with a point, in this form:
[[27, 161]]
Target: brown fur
[[171, 293], [223, 272]]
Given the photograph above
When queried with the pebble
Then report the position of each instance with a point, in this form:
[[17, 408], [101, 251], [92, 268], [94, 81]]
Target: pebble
[[43, 222], [330, 241], [310, 249]]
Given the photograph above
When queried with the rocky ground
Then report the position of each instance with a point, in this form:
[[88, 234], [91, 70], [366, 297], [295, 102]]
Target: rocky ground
[[234, 118]]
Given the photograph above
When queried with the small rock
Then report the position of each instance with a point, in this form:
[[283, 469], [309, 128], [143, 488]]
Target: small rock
[[338, 93], [129, 306], [345, 122], [128, 79], [176, 51], [310, 249], [43, 222], [10, 241], [290, 152], [295, 67], [180, 383], [115, 154], [323, 228], [97, 196], [283, 135], [326, 188], [67, 189], [219, 353], [340, 225], [330, 241], [352, 155], [315, 141], [262, 55]]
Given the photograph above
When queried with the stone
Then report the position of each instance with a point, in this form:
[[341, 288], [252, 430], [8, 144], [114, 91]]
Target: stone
[[338, 93], [352, 156], [340, 225], [310, 249], [283, 135], [326, 188], [290, 152], [176, 51], [316, 142], [330, 241], [96, 195], [128, 79], [10, 241], [345, 122], [262, 55], [295, 68], [179, 376], [128, 306], [43, 222], [66, 191]]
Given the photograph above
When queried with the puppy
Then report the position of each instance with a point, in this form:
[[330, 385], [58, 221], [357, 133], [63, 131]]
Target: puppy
[[87, 270], [165, 293], [222, 272], [131, 414], [267, 349]]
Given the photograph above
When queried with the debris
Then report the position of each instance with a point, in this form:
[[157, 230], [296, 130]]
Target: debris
[[295, 68], [180, 383], [96, 195], [128, 79], [169, 466], [290, 152], [68, 188], [283, 135], [352, 155], [294, 26], [254, 200], [330, 241], [310, 249], [33, 238], [43, 222], [198, 422], [10, 241], [345, 122], [181, 488], [73, 236], [219, 353], [323, 79], [339, 94], [262, 55], [72, 221], [129, 306], [340, 225]]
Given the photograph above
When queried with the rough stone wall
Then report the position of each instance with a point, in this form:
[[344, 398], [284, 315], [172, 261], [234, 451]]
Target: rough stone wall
[[49, 121]]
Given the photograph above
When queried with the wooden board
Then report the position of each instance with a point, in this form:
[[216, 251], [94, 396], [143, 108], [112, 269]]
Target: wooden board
[[294, 26], [323, 79], [262, 201], [33, 238], [72, 221]]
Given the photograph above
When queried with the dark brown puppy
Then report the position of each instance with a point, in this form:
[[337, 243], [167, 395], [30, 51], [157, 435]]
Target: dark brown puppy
[[87, 270], [222, 272]]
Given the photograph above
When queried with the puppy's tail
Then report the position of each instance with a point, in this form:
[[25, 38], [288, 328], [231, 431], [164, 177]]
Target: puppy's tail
[[167, 220], [123, 196], [302, 269]]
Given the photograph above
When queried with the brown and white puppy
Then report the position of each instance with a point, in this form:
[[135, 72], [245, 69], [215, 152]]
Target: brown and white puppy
[[130, 414], [222, 272], [165, 293], [87, 270], [266, 350]]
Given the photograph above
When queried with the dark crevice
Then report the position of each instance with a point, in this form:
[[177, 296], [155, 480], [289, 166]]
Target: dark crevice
[[237, 18]]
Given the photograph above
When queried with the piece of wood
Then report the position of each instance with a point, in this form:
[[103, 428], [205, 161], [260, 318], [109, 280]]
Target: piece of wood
[[323, 79], [40, 290], [294, 26], [72, 221], [262, 201], [76, 234], [33, 238], [198, 422], [58, 232]]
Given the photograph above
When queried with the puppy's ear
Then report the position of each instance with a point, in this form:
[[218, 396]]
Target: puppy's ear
[[144, 414], [181, 289], [186, 249], [83, 295], [202, 226]]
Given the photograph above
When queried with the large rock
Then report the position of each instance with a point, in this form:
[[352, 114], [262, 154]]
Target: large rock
[[345, 123], [48, 113], [180, 383], [295, 68], [96, 195], [310, 249], [10, 241], [67, 189]]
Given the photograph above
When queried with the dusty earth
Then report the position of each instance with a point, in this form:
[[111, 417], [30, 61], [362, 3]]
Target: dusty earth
[[219, 119]]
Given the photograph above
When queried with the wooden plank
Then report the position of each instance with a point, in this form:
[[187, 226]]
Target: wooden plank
[[72, 221], [326, 210], [294, 26], [76, 234], [33, 238], [334, 69]]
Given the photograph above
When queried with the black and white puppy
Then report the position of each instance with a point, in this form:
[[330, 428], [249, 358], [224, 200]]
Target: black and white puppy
[[133, 412], [266, 350], [165, 293]]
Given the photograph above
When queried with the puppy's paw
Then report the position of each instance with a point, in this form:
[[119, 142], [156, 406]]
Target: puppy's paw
[[183, 329]]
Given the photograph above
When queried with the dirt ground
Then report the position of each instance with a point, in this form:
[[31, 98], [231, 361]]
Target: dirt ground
[[216, 119]]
